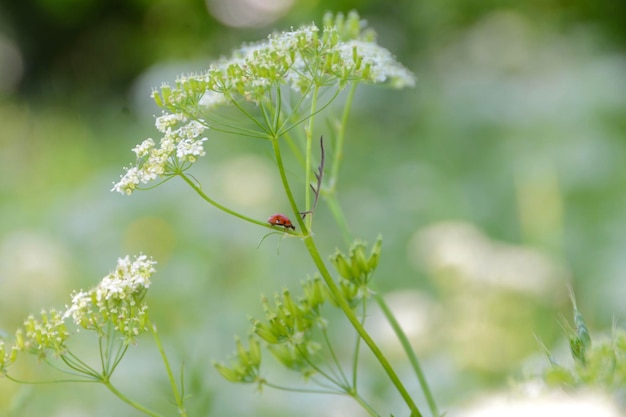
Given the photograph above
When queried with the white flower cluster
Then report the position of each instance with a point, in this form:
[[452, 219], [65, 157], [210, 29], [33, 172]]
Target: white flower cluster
[[304, 58], [117, 299], [116, 303], [178, 146]]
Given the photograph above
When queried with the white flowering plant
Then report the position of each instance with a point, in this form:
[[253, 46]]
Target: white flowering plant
[[274, 91], [114, 311]]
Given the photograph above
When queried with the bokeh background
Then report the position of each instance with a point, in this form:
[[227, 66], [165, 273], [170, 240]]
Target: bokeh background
[[495, 182]]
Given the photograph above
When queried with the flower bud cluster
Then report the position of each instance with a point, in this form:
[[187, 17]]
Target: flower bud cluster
[[342, 51], [288, 320], [43, 334], [245, 366], [7, 356], [116, 303], [287, 329], [356, 269]]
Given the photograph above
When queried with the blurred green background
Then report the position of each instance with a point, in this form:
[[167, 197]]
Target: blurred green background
[[494, 182]]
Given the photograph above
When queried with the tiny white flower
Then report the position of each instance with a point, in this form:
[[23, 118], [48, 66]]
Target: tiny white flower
[[168, 121], [144, 148]]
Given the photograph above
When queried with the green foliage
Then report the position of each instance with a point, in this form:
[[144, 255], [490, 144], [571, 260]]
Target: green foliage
[[600, 366], [296, 331]]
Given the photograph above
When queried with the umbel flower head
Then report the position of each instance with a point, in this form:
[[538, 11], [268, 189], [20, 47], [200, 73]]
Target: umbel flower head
[[302, 59], [117, 300], [116, 304]]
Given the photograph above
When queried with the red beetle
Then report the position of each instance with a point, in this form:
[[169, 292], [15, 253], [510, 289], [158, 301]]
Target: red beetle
[[281, 220]]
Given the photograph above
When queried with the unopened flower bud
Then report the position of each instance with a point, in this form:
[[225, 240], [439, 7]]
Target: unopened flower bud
[[255, 351], [375, 254], [265, 332], [228, 373], [360, 264], [342, 265]]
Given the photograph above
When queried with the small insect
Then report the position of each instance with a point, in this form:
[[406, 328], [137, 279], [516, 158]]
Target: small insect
[[281, 220]]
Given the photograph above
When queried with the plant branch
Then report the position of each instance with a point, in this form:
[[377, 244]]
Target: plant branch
[[406, 345], [343, 304]]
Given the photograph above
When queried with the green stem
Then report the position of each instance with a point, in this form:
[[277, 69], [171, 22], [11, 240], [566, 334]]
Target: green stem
[[341, 129], [335, 209], [217, 205], [357, 348], [301, 390], [343, 304], [370, 410], [330, 193], [128, 401], [406, 345], [177, 396], [308, 131], [80, 378], [340, 374], [365, 405], [286, 187], [330, 283]]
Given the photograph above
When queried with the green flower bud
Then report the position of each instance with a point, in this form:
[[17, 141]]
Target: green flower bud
[[350, 292], [581, 329], [3, 356], [254, 352], [265, 332], [227, 373], [578, 350], [375, 254], [13, 354], [19, 339], [360, 263], [342, 265], [166, 93], [289, 304], [157, 98], [352, 24], [290, 357], [242, 353], [328, 19]]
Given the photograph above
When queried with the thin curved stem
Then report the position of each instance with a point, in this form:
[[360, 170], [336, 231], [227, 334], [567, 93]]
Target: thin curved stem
[[318, 369], [357, 347], [225, 209], [335, 209], [128, 401], [308, 131], [333, 355], [330, 193], [406, 345], [364, 404], [341, 130], [248, 115], [177, 395], [284, 130], [121, 351], [56, 381], [301, 390], [73, 362], [367, 407]]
